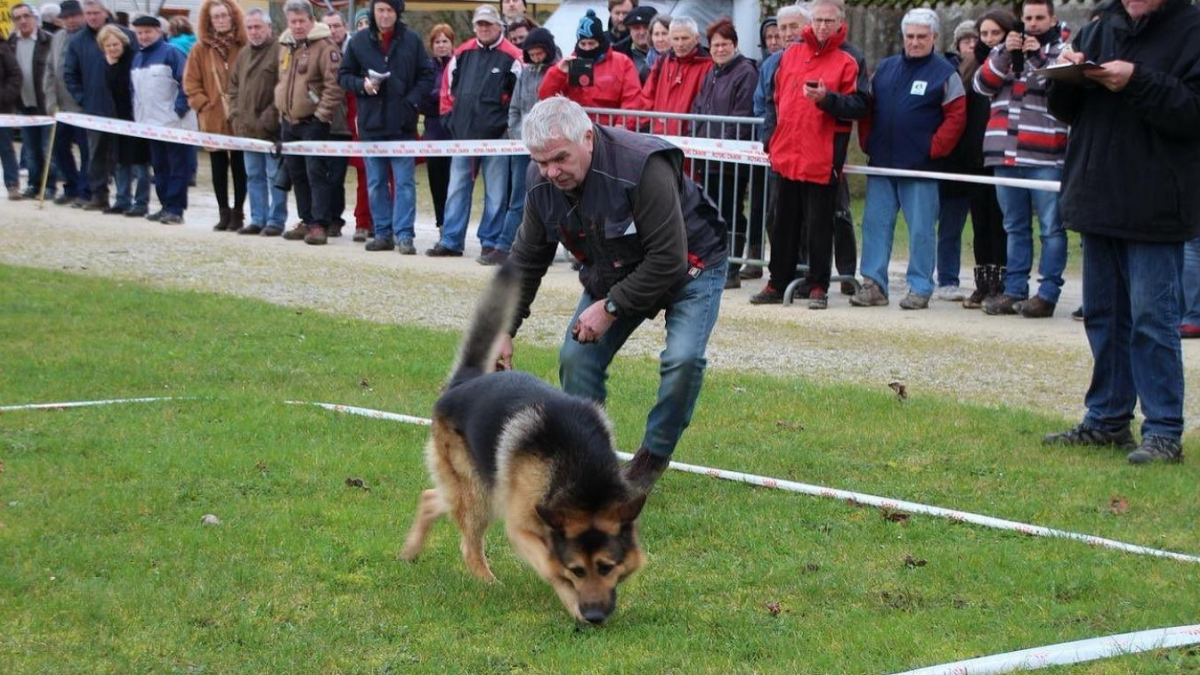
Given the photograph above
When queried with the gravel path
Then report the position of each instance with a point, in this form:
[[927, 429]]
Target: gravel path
[[966, 355]]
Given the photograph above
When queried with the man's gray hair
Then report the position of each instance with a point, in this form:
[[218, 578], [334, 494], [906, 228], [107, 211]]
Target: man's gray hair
[[49, 11], [838, 4], [687, 23], [921, 16], [552, 119], [298, 7], [96, 3], [259, 13], [796, 11]]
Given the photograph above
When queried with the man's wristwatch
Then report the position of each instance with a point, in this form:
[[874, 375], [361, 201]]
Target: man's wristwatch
[[611, 307]]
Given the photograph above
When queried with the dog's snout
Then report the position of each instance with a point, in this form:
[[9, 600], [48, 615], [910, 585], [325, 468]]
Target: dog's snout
[[595, 614]]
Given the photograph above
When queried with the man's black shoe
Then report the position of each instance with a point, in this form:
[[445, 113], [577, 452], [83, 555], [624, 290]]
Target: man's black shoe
[[439, 251], [1081, 435], [1157, 449]]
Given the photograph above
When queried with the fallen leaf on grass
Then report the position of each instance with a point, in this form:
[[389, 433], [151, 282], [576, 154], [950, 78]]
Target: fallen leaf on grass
[[261, 466], [900, 389], [911, 562], [773, 608], [364, 383], [357, 483], [739, 390], [894, 516], [812, 567], [790, 426], [1117, 505]]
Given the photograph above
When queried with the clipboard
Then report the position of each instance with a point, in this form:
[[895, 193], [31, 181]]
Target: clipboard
[[1070, 73]]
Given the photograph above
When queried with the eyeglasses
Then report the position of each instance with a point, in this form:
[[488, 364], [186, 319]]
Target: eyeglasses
[[826, 22]]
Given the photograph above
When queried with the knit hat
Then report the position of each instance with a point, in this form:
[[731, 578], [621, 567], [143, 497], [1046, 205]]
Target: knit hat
[[540, 37], [965, 29], [69, 8], [591, 28], [361, 14]]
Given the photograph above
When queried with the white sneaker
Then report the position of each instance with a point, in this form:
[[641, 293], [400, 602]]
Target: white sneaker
[[950, 293]]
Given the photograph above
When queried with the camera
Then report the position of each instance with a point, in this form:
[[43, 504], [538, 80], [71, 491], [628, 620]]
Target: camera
[[580, 72]]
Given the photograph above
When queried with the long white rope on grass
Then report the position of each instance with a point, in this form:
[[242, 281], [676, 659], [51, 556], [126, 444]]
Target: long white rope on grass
[[1068, 653], [761, 481]]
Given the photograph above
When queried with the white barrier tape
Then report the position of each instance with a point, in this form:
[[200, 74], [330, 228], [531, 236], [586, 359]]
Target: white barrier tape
[[17, 121], [1067, 653], [740, 152], [168, 134], [85, 404], [845, 495]]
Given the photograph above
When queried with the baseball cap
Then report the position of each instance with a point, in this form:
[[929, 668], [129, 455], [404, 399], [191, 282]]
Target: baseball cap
[[486, 14], [640, 16]]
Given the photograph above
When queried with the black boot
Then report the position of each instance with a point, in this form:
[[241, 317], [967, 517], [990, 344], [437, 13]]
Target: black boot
[[997, 280], [644, 469], [223, 223], [236, 220], [983, 286]]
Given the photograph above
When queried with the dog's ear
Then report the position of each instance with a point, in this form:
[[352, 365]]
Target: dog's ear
[[628, 512], [553, 519]]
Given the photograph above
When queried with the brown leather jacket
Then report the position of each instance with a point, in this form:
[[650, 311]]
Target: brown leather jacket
[[308, 76]]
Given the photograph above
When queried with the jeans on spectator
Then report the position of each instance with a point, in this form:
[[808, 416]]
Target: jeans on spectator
[[268, 204], [1131, 308], [918, 199], [954, 205], [312, 177], [458, 201], [172, 171], [8, 159], [128, 195], [583, 368], [102, 162], [74, 176], [1019, 205], [518, 167], [34, 144], [394, 216], [1191, 282]]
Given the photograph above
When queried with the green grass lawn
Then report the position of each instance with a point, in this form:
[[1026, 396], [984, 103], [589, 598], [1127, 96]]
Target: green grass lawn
[[105, 566]]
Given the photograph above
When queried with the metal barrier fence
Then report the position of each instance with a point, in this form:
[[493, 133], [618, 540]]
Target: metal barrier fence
[[744, 194]]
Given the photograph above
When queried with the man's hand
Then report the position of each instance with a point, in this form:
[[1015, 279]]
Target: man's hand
[[593, 323], [1069, 55], [1113, 76], [370, 87], [564, 64], [1031, 44], [816, 94], [504, 360]]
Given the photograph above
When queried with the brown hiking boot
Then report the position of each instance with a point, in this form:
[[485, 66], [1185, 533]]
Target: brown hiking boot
[[1035, 308], [1001, 304], [644, 469], [870, 295], [316, 235], [296, 233]]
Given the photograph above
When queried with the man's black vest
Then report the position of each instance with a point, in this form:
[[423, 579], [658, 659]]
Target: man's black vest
[[599, 229]]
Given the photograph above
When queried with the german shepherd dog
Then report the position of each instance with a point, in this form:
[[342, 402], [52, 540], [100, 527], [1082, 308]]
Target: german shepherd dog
[[507, 445]]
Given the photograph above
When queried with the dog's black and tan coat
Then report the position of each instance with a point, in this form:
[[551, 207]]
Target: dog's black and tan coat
[[507, 445]]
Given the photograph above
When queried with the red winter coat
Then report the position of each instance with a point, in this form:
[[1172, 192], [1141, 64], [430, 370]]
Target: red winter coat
[[809, 141], [672, 87], [617, 86]]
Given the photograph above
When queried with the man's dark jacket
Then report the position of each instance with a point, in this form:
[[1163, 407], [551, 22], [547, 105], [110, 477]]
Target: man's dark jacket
[[10, 79], [41, 56], [641, 266], [1133, 157], [390, 115], [85, 70]]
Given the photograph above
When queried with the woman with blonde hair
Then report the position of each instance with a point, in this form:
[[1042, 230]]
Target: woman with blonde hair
[[441, 48], [132, 153], [221, 35]]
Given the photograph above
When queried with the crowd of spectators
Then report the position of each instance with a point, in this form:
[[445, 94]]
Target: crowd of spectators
[[978, 109]]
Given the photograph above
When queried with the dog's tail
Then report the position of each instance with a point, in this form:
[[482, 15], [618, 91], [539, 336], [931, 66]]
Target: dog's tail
[[493, 317]]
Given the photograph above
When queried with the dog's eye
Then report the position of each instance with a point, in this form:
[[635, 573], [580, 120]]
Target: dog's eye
[[604, 568], [579, 572]]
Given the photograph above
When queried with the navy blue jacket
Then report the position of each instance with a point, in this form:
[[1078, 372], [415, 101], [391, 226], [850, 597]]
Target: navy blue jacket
[[390, 115], [908, 95], [85, 72]]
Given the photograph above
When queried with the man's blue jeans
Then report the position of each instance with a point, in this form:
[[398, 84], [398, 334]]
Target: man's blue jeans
[[1131, 298], [458, 201], [952, 217], [268, 204], [886, 197], [74, 176], [516, 201], [394, 217], [129, 197], [1191, 282], [1019, 205], [35, 144], [8, 159], [583, 368]]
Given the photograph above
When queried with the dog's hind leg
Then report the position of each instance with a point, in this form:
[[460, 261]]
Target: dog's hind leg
[[473, 520], [429, 509]]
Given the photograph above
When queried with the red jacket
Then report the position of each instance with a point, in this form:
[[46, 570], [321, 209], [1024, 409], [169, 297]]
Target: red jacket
[[617, 86], [672, 87], [808, 140]]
